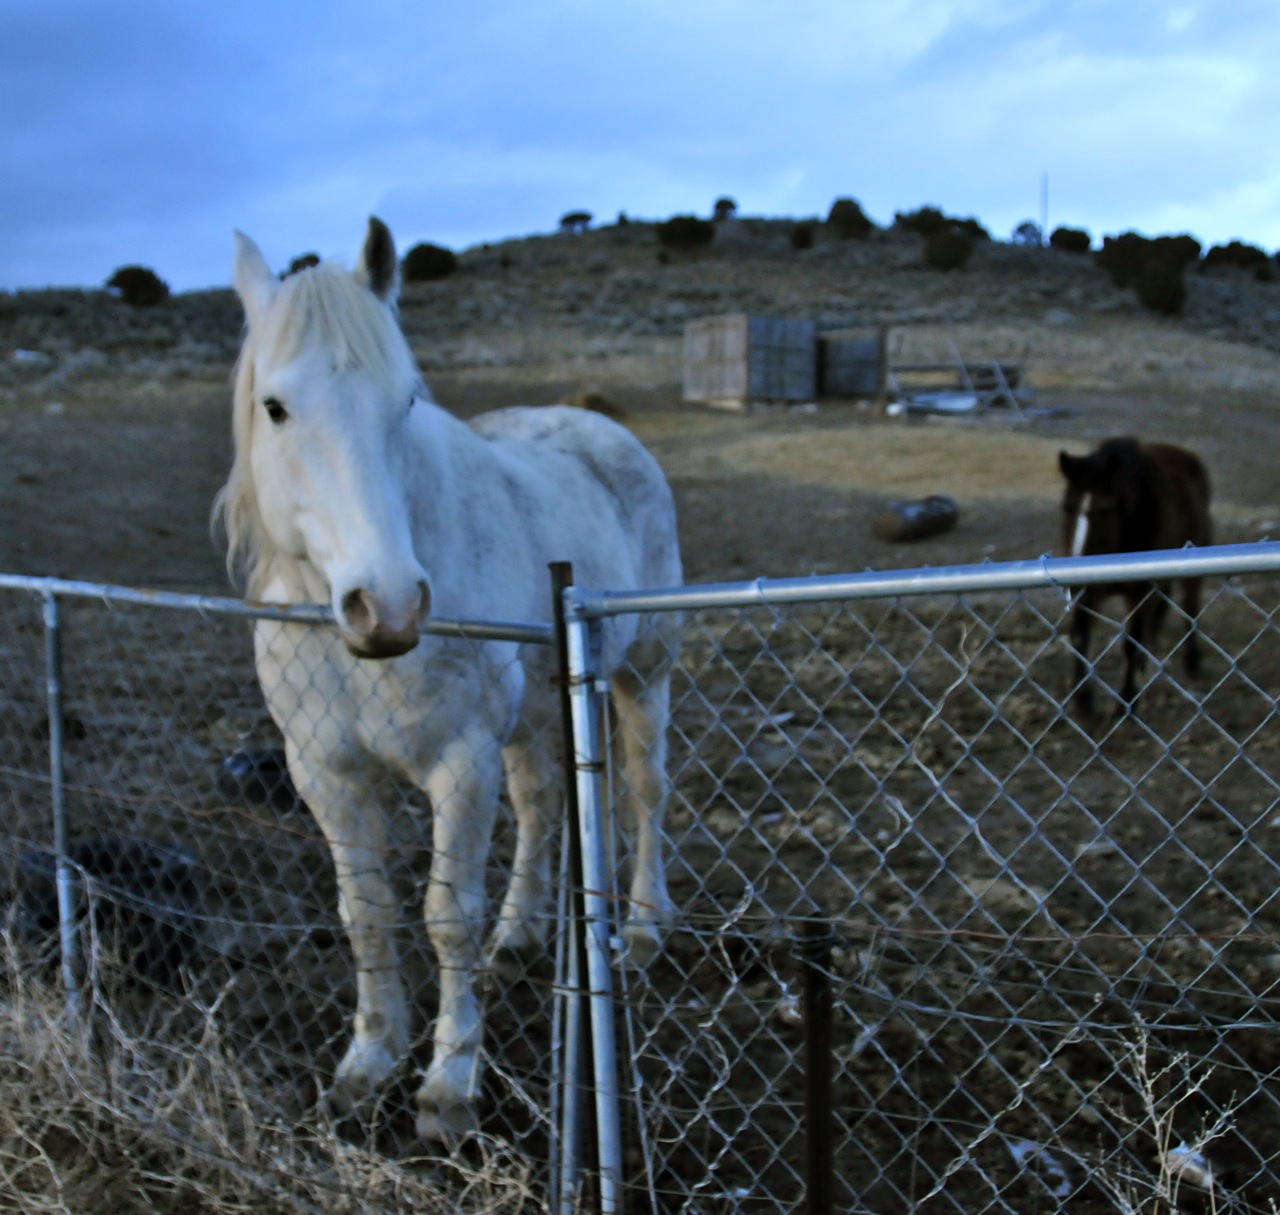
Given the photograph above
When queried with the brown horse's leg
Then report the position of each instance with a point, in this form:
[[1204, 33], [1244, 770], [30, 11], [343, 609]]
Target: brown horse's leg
[[1134, 637], [1141, 630], [1191, 605], [1081, 680]]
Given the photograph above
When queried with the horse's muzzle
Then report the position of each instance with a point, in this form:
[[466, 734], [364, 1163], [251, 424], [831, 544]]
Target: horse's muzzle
[[382, 645], [373, 631]]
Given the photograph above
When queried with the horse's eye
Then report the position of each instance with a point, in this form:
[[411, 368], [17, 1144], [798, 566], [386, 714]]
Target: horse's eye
[[275, 409]]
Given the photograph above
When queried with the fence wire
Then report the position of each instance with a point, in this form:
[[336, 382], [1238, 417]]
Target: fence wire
[[1055, 940]]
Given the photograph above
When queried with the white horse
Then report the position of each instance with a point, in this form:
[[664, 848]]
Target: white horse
[[351, 486]]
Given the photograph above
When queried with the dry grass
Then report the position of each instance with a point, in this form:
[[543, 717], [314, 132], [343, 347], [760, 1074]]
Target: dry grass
[[94, 1117], [1180, 1165]]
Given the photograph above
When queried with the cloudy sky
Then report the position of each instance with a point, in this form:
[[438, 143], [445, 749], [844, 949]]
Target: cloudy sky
[[145, 130]]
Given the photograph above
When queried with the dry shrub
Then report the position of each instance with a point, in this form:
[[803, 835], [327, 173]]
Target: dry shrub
[[1161, 288], [1070, 240], [139, 286], [849, 220], [96, 1118], [425, 263], [685, 232], [923, 220], [1235, 253], [725, 208], [947, 249], [597, 402]]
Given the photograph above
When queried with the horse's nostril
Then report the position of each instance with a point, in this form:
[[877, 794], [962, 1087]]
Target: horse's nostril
[[358, 611], [424, 601]]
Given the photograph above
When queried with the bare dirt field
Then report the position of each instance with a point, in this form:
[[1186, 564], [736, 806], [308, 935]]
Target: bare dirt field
[[114, 432]]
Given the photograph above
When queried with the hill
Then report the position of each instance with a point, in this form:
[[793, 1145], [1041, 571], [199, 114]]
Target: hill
[[114, 418]]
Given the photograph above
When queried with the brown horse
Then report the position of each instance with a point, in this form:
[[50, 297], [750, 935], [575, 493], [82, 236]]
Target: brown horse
[[1130, 497]]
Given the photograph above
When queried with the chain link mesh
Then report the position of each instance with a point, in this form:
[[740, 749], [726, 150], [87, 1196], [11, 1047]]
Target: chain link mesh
[[207, 910], [1055, 955]]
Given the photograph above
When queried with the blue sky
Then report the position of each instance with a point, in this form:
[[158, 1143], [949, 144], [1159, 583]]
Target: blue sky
[[145, 130]]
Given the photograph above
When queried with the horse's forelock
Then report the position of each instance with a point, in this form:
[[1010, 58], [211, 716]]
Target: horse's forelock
[[330, 305]]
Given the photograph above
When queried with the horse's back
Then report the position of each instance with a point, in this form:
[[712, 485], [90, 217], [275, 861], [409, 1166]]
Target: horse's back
[[607, 448], [1186, 493], [606, 508], [575, 453]]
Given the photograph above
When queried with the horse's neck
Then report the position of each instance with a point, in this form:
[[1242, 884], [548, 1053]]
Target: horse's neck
[[293, 580], [464, 518], [1147, 507], [438, 442]]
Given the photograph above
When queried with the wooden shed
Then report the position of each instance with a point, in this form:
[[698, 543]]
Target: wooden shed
[[852, 363], [731, 361]]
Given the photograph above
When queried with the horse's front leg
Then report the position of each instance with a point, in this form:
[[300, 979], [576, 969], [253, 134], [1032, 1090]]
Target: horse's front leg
[[1191, 606], [348, 812], [1140, 632], [1081, 676], [536, 787], [642, 710], [463, 786]]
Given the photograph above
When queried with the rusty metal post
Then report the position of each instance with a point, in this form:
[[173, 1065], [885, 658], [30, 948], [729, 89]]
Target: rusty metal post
[[64, 878], [819, 1063]]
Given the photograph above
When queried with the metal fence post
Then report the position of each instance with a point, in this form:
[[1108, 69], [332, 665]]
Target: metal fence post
[[815, 960], [578, 651], [65, 879], [577, 1117]]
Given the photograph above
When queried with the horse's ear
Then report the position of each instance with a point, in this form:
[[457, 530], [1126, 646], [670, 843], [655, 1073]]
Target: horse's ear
[[377, 267], [1067, 464], [255, 284]]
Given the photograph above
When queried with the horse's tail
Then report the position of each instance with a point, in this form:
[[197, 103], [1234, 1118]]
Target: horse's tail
[[1199, 488]]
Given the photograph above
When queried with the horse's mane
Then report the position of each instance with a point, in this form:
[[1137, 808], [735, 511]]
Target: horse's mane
[[331, 306]]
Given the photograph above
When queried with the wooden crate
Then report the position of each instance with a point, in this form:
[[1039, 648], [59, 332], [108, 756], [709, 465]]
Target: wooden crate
[[732, 361], [852, 364]]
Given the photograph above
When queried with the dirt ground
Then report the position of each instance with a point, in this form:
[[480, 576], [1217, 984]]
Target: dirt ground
[[116, 482]]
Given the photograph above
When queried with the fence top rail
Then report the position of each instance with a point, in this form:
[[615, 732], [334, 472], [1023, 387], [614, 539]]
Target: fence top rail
[[1061, 573], [297, 613]]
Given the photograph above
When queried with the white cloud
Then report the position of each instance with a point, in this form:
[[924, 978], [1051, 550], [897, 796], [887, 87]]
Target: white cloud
[[1246, 210], [150, 130]]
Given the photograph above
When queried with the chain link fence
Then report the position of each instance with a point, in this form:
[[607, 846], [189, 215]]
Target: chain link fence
[[1053, 963], [1048, 945], [198, 927]]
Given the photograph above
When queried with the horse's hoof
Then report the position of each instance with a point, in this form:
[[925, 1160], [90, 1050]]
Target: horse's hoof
[[642, 940], [360, 1077], [507, 964], [445, 1124], [342, 1101]]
